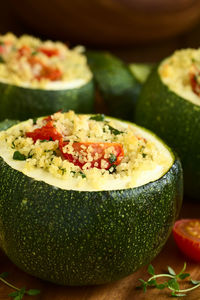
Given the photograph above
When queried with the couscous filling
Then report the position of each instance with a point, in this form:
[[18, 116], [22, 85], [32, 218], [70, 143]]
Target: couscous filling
[[86, 152], [28, 61], [181, 73]]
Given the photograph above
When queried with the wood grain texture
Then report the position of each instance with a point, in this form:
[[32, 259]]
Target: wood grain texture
[[108, 22], [124, 289]]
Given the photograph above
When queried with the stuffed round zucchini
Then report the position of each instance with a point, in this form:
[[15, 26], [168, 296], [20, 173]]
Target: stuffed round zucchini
[[170, 106], [38, 78], [85, 199]]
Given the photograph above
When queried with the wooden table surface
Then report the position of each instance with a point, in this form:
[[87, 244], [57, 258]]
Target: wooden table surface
[[124, 289]]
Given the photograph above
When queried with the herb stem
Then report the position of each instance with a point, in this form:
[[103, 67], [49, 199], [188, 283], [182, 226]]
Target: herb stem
[[186, 290], [9, 284], [160, 275]]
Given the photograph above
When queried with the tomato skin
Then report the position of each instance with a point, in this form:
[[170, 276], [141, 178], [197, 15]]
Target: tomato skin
[[97, 148], [49, 52], [186, 233], [47, 132]]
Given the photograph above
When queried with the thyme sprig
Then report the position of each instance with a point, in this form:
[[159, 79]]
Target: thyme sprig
[[172, 283], [19, 293]]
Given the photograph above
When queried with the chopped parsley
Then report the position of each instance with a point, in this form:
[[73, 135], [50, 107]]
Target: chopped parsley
[[112, 158], [34, 121], [19, 156], [114, 130], [63, 170], [82, 174], [2, 60], [34, 53], [79, 173], [98, 118]]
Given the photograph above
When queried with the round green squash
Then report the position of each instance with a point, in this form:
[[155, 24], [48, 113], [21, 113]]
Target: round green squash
[[18, 102], [177, 121], [74, 237], [117, 86]]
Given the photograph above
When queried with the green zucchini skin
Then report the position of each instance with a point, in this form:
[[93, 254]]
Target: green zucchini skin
[[115, 82], [85, 238], [175, 120], [23, 103]]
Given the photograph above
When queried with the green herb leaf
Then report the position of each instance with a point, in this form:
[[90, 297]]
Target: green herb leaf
[[2, 60], [42, 141], [161, 286], [143, 285], [98, 117], [112, 158], [151, 270], [152, 282], [33, 292], [183, 276], [4, 275], [114, 130], [171, 271], [34, 121], [34, 53], [18, 156], [173, 284], [82, 174]]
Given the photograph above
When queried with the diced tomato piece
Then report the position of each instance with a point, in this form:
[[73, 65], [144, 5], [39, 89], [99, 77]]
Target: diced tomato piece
[[24, 51], [83, 152], [2, 49], [50, 73], [49, 52], [187, 236], [47, 132]]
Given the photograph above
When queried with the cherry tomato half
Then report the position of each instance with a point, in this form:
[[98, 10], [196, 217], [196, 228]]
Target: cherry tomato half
[[187, 236]]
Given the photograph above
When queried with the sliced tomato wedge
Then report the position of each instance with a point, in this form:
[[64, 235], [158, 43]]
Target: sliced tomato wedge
[[49, 52], [47, 132], [187, 236], [95, 154]]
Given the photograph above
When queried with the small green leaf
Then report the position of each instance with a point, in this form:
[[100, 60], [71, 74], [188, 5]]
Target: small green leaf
[[151, 270], [82, 174], [4, 275], [18, 156], [98, 117], [112, 158], [2, 60], [34, 121], [33, 292], [114, 130], [171, 271], [173, 284], [34, 53], [13, 294], [152, 282], [143, 285], [183, 276], [161, 286], [195, 282]]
